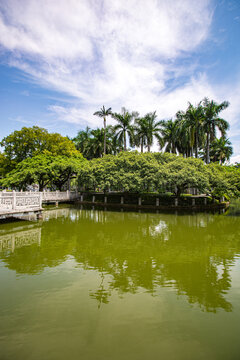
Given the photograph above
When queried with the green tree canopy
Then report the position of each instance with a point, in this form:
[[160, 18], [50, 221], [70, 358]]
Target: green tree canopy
[[31, 141], [144, 172], [44, 170]]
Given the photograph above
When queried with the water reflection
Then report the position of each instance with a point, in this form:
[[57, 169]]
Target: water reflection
[[134, 252]]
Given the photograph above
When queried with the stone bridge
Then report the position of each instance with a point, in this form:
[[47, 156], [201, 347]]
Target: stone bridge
[[25, 204]]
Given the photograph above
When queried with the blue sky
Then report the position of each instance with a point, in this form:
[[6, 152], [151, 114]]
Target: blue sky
[[62, 60]]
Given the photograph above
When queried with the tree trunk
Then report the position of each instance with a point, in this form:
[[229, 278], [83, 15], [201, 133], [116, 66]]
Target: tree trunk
[[141, 145], [196, 146], [208, 149], [124, 139], [104, 122], [148, 148]]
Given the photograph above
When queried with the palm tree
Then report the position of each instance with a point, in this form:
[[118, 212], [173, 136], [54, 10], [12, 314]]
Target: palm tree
[[152, 128], [140, 132], [82, 139], [124, 127], [104, 113], [170, 135], [211, 121], [191, 126], [99, 138], [221, 150]]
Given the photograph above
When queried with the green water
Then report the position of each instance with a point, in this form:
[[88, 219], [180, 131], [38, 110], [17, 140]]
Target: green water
[[93, 284]]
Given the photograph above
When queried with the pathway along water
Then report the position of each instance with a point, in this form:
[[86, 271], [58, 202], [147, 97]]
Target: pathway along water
[[94, 284]]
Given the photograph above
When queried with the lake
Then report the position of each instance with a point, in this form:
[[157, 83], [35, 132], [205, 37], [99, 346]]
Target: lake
[[94, 284]]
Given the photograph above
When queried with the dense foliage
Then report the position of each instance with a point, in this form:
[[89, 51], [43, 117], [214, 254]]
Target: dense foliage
[[158, 172], [31, 141], [44, 170]]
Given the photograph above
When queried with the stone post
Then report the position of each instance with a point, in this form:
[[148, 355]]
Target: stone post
[[14, 200], [68, 194], [176, 201], [81, 198], [40, 200], [157, 201], [193, 202], [105, 199], [93, 198], [122, 200], [205, 201], [139, 201]]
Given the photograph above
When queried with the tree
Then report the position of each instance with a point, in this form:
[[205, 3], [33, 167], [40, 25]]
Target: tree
[[146, 129], [98, 139], [81, 141], [183, 173], [104, 113], [153, 128], [31, 141], [191, 124], [64, 169], [211, 122], [127, 171], [222, 183], [140, 132], [124, 127], [170, 135], [44, 170], [221, 150]]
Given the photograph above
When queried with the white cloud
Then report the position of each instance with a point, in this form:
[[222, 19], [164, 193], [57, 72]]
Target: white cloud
[[101, 51], [112, 52]]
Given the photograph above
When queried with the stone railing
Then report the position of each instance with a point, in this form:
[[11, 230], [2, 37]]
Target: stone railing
[[14, 201], [48, 196]]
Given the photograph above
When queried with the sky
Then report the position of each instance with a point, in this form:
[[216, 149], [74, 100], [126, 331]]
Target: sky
[[62, 60]]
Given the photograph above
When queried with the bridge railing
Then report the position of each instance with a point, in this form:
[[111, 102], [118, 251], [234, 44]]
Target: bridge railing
[[59, 195], [13, 200]]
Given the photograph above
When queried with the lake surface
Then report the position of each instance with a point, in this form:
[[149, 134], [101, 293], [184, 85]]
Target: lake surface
[[94, 284]]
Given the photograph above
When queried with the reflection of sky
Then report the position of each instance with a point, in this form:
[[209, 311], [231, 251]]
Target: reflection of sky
[[161, 228]]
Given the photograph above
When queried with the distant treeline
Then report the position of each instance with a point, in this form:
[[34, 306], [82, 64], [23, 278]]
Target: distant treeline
[[191, 154]]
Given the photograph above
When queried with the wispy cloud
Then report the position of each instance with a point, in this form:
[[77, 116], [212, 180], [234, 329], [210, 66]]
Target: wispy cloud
[[102, 51], [112, 52]]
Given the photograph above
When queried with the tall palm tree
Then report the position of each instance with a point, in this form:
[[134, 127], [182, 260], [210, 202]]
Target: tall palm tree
[[140, 132], [124, 127], [170, 135], [99, 139], [82, 139], [191, 123], [104, 113], [153, 128], [211, 121], [221, 150]]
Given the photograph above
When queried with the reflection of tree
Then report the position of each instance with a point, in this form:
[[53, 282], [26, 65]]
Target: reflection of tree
[[131, 251], [101, 294]]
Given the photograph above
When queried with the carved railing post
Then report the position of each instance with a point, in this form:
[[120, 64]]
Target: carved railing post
[[14, 198]]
